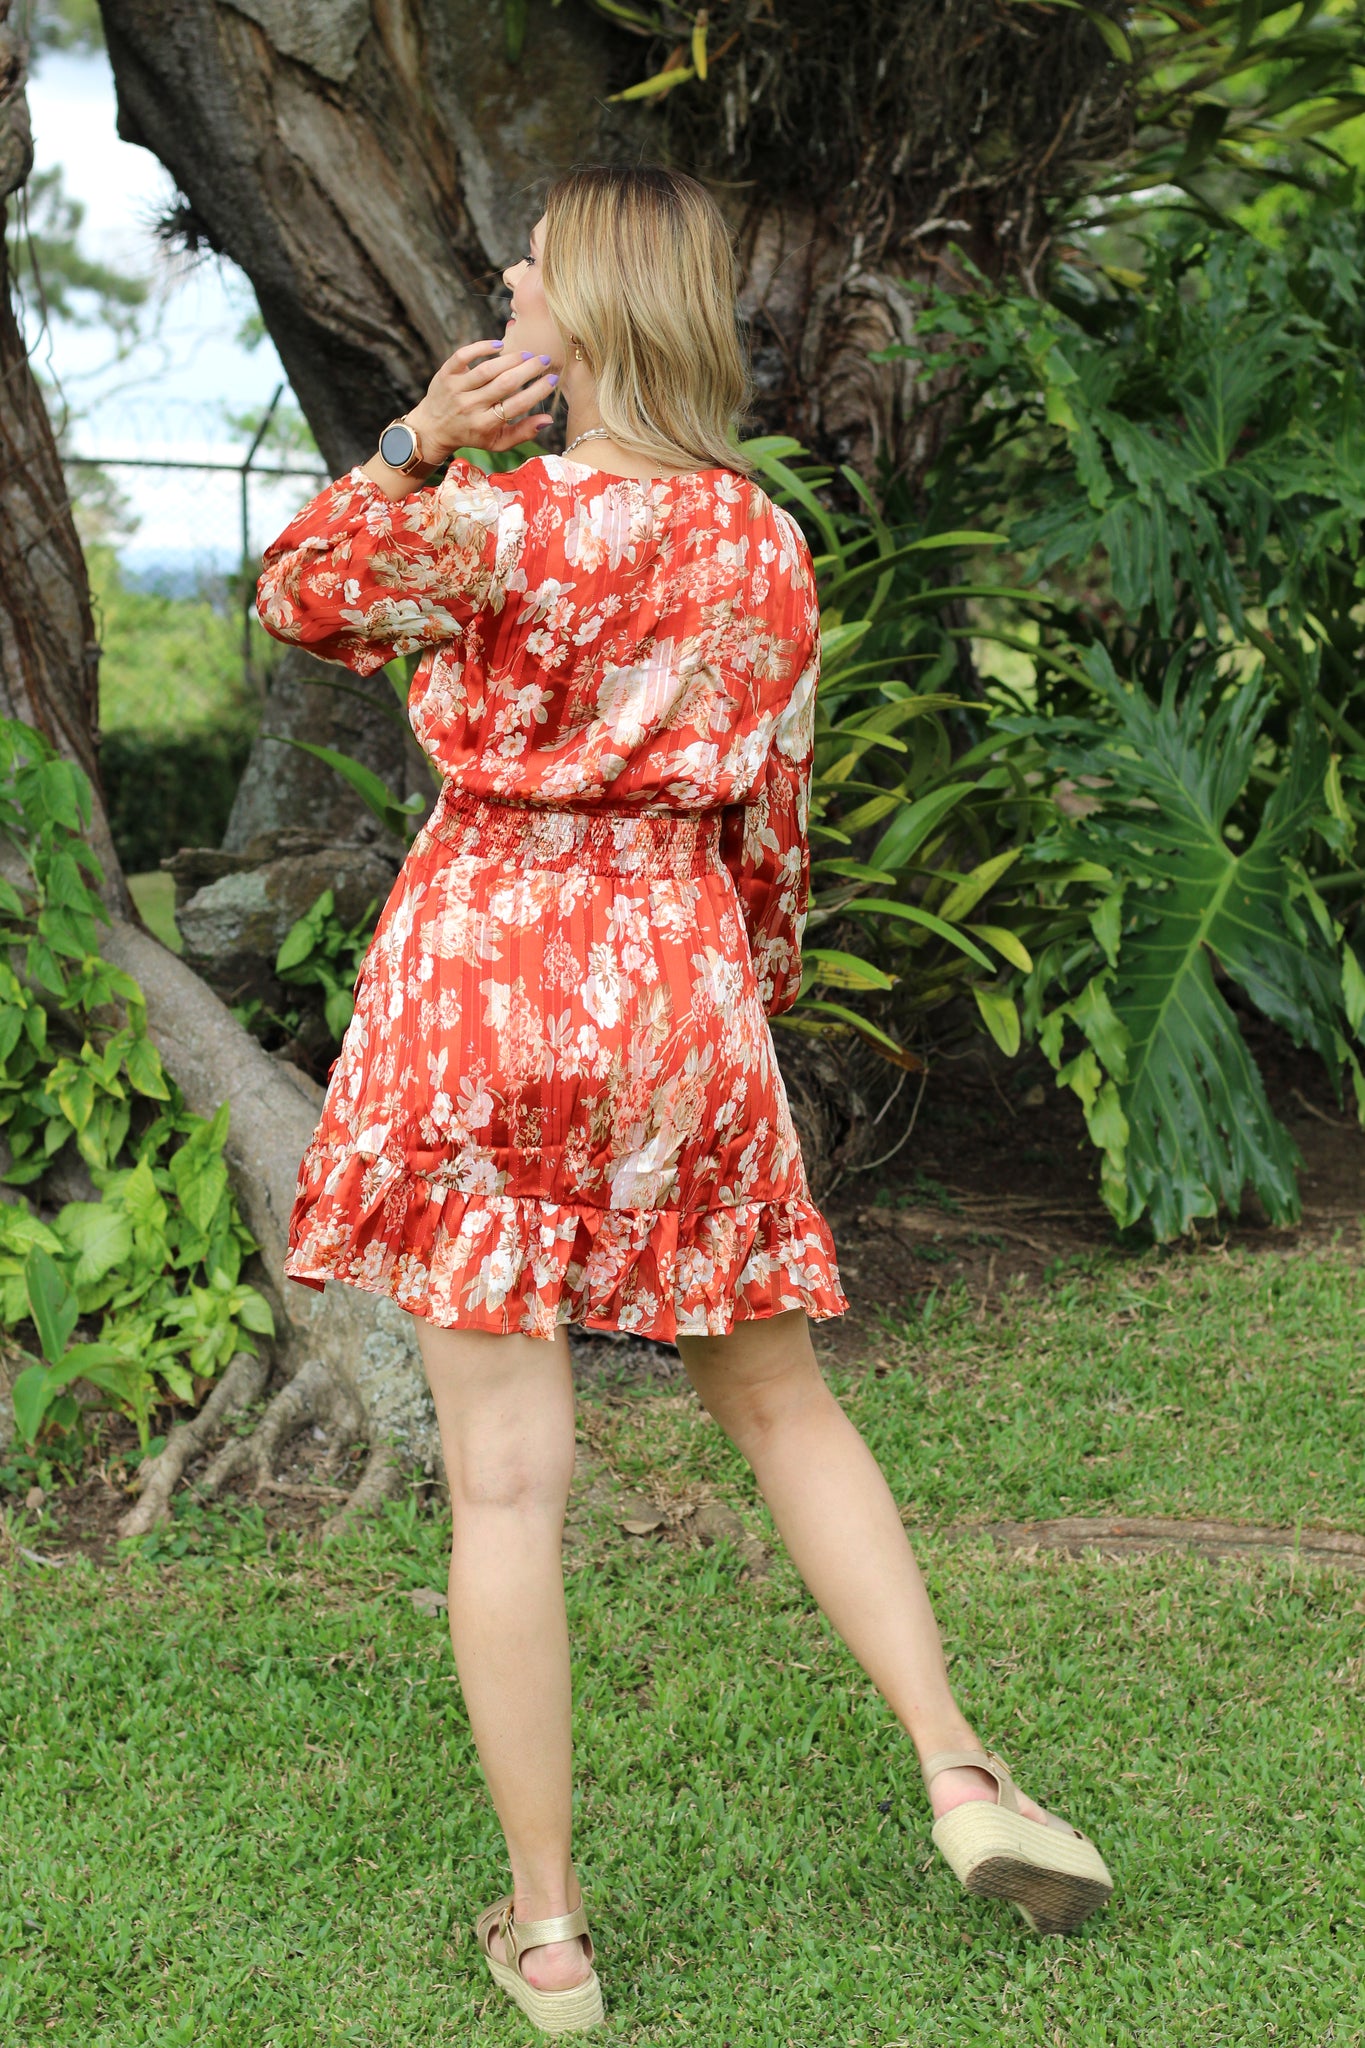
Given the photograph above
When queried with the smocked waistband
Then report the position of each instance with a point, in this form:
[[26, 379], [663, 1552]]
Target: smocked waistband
[[614, 842]]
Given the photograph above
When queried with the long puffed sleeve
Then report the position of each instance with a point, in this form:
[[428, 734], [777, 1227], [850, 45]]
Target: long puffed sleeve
[[765, 847], [358, 577]]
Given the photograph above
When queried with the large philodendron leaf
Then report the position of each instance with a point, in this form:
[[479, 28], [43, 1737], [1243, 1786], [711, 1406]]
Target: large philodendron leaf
[[1200, 1127]]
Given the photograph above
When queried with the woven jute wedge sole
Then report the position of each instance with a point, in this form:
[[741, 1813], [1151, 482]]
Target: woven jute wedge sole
[[1053, 1873], [554, 2012]]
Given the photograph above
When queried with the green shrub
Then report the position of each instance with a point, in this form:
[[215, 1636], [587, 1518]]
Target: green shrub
[[153, 1266], [167, 790], [177, 715], [1176, 459]]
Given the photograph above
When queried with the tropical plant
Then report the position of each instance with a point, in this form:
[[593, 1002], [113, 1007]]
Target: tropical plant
[[319, 951], [39, 1390], [1144, 1031], [920, 817], [157, 1258], [1194, 438], [1176, 457]]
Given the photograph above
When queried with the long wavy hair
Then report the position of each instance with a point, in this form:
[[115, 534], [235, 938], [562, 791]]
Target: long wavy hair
[[638, 265]]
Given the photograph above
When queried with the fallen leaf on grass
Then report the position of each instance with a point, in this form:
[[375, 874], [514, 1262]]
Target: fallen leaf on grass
[[427, 1600], [638, 1516]]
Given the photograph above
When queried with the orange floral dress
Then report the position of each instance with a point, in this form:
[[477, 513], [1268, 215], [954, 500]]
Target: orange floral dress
[[557, 1100]]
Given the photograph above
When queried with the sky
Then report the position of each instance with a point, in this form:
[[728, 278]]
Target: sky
[[169, 398]]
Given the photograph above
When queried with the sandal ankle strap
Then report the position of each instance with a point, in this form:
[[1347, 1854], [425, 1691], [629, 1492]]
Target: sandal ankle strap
[[562, 1927], [976, 1759], [519, 1935]]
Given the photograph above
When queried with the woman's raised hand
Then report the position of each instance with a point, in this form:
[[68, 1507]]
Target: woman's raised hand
[[460, 408]]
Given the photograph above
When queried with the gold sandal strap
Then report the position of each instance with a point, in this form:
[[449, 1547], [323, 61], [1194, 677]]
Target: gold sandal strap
[[531, 1933], [976, 1759]]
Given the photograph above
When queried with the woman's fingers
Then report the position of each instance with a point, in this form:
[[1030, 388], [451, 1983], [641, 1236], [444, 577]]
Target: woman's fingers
[[461, 404], [471, 354], [522, 430], [500, 376], [533, 394]]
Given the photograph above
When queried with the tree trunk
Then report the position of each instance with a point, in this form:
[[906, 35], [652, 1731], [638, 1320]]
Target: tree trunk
[[49, 656], [283, 787], [348, 1358], [373, 165]]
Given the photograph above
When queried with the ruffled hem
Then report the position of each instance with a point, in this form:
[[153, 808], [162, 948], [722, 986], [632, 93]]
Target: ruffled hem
[[517, 1263]]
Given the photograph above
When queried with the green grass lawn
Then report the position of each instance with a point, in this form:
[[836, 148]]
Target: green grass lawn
[[240, 1806]]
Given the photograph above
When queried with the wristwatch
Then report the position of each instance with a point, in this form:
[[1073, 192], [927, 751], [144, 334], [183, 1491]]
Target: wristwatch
[[401, 449]]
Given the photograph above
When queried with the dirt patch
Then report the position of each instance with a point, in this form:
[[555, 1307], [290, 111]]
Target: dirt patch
[[1122, 1535], [999, 1183]]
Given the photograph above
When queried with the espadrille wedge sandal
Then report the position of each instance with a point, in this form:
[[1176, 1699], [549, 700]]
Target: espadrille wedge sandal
[[554, 2012], [1053, 1873]]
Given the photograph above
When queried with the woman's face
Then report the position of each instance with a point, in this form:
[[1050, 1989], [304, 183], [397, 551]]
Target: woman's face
[[529, 325]]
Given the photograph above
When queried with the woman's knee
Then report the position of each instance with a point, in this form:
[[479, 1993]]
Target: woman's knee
[[757, 1378], [486, 1470], [505, 1408]]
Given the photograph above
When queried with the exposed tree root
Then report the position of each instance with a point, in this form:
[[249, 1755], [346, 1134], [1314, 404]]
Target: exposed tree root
[[314, 1395], [313, 1398], [1119, 1535], [382, 1478], [240, 1385]]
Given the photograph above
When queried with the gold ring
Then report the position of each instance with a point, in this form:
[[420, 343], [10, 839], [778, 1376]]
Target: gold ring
[[497, 407]]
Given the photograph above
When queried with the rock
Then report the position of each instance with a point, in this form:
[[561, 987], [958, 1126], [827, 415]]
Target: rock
[[232, 928], [67, 1179], [191, 868], [715, 1523], [280, 784], [314, 1090]]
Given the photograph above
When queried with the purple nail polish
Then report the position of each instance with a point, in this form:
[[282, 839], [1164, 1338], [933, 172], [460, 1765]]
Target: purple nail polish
[[526, 354], [555, 378], [497, 344], [546, 361]]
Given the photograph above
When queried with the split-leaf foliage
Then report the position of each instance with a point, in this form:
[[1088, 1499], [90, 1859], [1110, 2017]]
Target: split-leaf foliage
[[1177, 457]]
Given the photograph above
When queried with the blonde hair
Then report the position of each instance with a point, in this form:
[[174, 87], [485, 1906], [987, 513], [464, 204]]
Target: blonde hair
[[638, 267]]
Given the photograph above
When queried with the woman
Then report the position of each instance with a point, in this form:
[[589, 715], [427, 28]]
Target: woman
[[557, 1100]]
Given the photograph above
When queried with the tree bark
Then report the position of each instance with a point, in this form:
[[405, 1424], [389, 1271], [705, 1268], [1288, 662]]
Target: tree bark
[[350, 1359], [372, 165], [49, 654]]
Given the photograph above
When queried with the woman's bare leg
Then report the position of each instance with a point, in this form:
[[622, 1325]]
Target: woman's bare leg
[[835, 1514], [506, 1411]]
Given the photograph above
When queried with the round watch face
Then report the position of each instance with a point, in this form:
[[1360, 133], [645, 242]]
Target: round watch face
[[397, 444]]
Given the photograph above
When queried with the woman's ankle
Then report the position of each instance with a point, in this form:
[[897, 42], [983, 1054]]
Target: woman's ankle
[[930, 1738], [546, 1898]]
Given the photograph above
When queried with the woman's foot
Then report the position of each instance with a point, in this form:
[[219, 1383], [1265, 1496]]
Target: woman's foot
[[550, 1965], [954, 1787]]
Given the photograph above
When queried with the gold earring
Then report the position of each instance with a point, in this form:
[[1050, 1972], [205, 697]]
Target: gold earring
[[577, 351]]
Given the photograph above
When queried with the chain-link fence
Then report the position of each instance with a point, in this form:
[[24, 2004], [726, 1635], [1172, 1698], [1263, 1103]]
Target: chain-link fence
[[185, 664], [264, 504]]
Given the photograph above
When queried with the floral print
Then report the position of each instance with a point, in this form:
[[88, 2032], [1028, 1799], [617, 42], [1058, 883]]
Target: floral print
[[557, 1100]]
